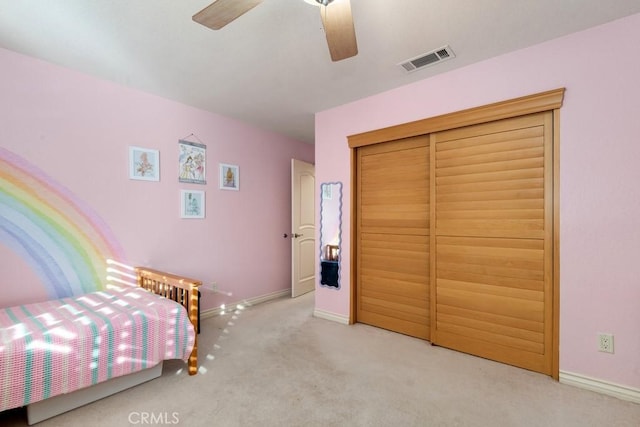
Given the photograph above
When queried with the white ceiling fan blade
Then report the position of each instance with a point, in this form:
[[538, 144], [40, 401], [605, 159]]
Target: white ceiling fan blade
[[221, 12], [338, 27]]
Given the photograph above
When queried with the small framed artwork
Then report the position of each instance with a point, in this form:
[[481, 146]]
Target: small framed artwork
[[144, 164], [192, 162], [192, 204], [229, 177]]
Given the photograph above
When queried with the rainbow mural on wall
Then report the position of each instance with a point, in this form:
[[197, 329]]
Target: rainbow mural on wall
[[62, 239]]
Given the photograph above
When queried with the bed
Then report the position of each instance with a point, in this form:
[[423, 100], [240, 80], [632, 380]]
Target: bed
[[60, 354]]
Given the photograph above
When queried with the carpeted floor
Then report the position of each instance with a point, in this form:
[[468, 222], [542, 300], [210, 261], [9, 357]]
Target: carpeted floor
[[275, 365]]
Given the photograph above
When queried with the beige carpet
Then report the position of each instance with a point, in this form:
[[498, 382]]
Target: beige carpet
[[275, 365]]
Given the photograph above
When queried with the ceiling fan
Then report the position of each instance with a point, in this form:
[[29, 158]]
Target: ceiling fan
[[336, 19]]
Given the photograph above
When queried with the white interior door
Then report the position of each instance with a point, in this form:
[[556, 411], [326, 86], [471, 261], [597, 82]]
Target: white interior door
[[303, 233]]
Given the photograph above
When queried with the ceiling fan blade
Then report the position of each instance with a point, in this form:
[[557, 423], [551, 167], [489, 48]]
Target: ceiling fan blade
[[221, 12], [339, 29]]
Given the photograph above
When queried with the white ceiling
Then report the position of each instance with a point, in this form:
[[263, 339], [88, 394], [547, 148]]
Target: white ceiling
[[271, 67]]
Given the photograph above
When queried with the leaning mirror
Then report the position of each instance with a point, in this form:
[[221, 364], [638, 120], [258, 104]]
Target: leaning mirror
[[330, 229]]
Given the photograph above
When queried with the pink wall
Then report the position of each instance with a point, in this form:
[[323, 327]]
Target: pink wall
[[599, 176], [77, 130]]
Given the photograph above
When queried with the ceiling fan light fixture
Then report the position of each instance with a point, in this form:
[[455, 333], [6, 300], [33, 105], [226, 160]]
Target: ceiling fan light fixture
[[319, 2]]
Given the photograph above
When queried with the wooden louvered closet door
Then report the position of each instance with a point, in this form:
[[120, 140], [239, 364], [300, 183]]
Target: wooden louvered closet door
[[492, 195], [393, 236]]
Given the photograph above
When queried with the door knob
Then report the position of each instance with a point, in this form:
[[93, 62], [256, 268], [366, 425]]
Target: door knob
[[293, 235]]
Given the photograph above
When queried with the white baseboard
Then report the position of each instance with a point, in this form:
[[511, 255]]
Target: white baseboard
[[331, 316], [600, 386], [247, 302], [268, 297]]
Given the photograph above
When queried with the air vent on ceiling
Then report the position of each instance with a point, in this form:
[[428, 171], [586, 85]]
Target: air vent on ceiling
[[429, 58]]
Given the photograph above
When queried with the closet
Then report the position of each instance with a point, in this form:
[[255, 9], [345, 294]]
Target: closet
[[455, 230]]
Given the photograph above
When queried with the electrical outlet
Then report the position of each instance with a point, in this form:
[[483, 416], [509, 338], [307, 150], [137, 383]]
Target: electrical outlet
[[605, 342]]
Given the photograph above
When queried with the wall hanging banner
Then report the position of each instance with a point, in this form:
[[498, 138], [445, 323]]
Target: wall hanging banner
[[192, 162]]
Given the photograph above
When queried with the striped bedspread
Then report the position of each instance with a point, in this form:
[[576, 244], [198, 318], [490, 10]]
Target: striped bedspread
[[60, 346]]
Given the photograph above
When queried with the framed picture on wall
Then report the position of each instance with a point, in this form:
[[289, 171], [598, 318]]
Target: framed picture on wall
[[144, 164], [229, 177], [192, 204], [192, 162]]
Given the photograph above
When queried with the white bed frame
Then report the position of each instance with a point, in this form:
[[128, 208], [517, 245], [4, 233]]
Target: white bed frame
[[44, 409]]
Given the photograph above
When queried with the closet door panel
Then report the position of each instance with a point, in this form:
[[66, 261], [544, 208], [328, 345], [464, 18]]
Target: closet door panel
[[393, 232], [492, 232], [495, 181]]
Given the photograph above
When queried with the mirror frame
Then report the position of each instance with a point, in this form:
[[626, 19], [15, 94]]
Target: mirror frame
[[322, 249]]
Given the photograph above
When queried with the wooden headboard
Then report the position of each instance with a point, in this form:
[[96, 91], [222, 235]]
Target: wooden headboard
[[177, 288]]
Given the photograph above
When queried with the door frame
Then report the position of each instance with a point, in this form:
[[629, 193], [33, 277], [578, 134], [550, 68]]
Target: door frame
[[536, 103]]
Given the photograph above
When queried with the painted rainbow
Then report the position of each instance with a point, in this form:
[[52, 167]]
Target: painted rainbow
[[61, 238]]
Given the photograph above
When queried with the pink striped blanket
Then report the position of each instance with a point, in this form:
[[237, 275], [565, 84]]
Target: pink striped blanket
[[60, 346]]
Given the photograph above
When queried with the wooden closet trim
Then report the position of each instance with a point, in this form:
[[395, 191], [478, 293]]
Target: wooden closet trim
[[555, 361], [544, 101]]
